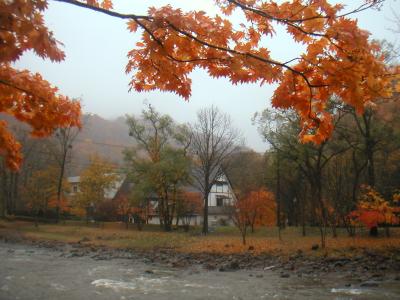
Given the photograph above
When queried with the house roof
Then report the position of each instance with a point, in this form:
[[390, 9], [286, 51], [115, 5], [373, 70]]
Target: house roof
[[109, 193], [74, 179]]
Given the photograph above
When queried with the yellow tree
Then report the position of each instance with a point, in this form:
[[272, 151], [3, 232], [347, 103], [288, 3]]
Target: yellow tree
[[95, 180], [40, 192], [260, 208], [373, 210], [124, 209], [189, 205], [254, 209]]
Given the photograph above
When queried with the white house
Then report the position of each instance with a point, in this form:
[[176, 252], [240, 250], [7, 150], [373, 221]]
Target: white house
[[109, 193], [220, 198]]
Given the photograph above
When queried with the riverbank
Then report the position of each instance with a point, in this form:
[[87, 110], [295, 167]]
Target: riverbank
[[32, 272], [366, 260]]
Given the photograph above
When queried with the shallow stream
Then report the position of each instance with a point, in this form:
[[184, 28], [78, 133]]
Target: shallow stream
[[27, 272]]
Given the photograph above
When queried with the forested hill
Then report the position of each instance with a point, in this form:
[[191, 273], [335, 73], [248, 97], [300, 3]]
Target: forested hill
[[107, 138], [98, 136]]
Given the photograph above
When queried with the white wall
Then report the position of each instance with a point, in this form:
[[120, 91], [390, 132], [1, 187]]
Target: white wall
[[221, 190], [213, 220]]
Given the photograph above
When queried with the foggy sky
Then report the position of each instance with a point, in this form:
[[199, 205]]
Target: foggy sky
[[94, 69]]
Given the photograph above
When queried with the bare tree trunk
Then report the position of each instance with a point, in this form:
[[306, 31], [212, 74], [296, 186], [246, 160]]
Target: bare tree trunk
[[334, 231], [303, 217], [37, 219], [323, 223], [213, 140], [369, 148], [278, 195], [244, 232], [373, 231], [322, 230], [138, 221], [252, 225], [3, 211], [59, 185], [387, 232], [205, 216]]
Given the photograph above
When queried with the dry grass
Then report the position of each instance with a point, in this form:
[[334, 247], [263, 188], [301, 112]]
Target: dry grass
[[344, 246], [109, 234], [223, 241]]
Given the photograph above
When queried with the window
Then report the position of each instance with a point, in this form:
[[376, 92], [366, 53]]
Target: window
[[219, 186], [220, 201], [75, 188]]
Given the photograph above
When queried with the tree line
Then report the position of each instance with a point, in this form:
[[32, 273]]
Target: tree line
[[328, 94], [349, 179]]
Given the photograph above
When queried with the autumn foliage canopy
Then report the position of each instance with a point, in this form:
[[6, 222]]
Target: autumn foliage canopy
[[339, 59], [257, 208], [373, 209], [24, 95]]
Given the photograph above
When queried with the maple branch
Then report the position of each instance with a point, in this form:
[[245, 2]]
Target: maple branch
[[159, 42], [138, 19], [145, 23], [280, 20], [361, 8], [106, 11], [2, 81], [239, 53], [288, 22]]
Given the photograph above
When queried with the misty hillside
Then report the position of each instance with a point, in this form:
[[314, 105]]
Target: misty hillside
[[107, 138]]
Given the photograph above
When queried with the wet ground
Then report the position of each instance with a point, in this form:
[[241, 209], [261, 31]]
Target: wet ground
[[28, 272]]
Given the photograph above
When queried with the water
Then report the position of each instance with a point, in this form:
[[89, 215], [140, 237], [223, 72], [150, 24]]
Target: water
[[35, 273]]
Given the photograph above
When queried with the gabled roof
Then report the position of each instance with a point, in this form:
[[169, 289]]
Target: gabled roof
[[108, 193], [74, 179]]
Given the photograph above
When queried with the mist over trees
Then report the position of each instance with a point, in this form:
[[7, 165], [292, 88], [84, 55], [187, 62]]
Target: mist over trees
[[333, 136]]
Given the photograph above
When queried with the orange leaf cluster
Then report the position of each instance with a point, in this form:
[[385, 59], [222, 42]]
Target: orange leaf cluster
[[174, 43], [126, 208], [63, 205], [123, 206], [373, 209], [257, 208], [26, 96], [105, 4], [191, 203], [339, 59]]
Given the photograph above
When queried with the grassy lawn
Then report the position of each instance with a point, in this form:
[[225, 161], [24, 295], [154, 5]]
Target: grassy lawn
[[223, 240], [107, 234]]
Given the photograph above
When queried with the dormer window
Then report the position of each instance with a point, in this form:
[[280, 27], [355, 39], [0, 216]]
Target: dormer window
[[220, 201]]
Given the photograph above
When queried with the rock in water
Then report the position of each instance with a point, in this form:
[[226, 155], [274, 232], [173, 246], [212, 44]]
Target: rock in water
[[368, 284]]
